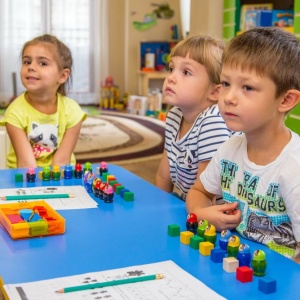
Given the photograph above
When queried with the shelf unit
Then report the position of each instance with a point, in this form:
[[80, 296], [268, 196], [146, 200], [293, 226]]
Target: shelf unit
[[231, 14]]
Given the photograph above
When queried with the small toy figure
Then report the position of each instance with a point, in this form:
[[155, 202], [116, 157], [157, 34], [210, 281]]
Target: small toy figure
[[68, 171], [244, 255], [56, 173], [101, 190], [96, 188], [88, 179], [87, 167], [224, 238], [233, 246], [103, 168], [191, 223], [259, 263], [201, 227], [46, 174], [108, 194], [78, 171], [210, 234], [30, 175]]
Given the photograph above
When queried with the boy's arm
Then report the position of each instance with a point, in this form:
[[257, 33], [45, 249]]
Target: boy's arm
[[202, 203], [162, 178], [22, 147], [63, 154]]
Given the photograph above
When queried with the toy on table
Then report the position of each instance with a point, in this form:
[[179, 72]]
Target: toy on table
[[259, 263], [96, 188], [224, 238], [30, 175], [192, 223], [201, 227], [244, 255], [103, 168], [30, 219], [56, 173], [108, 194], [233, 246], [46, 173], [78, 171], [210, 234], [68, 172], [88, 179], [87, 167], [101, 190]]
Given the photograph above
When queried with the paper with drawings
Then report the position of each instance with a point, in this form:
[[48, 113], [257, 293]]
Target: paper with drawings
[[177, 285], [81, 200]]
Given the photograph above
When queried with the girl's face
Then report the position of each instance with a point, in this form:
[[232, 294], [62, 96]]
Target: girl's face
[[187, 85], [40, 72]]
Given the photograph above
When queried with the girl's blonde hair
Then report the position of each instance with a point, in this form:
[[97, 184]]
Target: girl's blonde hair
[[204, 49], [62, 55]]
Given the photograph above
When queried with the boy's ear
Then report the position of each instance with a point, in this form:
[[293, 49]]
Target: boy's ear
[[214, 95], [289, 100]]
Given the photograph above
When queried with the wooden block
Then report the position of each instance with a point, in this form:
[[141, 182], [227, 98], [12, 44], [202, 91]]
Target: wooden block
[[230, 264]]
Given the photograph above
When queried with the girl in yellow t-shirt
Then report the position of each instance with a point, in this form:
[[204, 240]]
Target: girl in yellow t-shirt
[[42, 123]]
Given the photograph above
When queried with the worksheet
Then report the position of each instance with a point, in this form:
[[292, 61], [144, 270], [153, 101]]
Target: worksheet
[[80, 197], [177, 284]]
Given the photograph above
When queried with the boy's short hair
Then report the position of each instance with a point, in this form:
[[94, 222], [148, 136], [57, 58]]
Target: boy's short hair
[[204, 49], [270, 52]]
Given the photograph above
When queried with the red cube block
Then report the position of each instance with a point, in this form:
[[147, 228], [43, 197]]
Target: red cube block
[[244, 274]]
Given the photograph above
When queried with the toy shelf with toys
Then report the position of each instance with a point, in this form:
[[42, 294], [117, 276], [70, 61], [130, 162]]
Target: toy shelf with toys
[[241, 15]]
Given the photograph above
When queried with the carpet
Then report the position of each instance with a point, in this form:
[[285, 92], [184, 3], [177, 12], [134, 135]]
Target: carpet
[[112, 136]]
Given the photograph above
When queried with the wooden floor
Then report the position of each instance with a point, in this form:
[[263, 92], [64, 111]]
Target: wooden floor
[[147, 171]]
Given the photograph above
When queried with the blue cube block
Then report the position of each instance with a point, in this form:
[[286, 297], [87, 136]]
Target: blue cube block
[[217, 255], [267, 285], [123, 191]]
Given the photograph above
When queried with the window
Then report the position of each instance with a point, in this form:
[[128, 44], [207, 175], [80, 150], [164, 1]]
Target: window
[[75, 22]]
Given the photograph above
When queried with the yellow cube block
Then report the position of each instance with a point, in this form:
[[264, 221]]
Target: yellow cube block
[[205, 248], [185, 237]]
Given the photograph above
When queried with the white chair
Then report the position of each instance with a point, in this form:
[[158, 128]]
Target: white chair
[[4, 147]]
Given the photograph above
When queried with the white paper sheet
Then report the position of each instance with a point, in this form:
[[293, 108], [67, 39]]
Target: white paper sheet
[[81, 200], [177, 285]]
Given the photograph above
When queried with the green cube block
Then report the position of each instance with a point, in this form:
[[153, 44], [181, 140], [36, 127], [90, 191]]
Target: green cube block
[[119, 188], [173, 230], [195, 241], [104, 176], [18, 177], [112, 182], [128, 196]]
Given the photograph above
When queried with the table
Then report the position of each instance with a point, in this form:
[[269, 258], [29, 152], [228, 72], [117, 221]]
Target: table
[[122, 234]]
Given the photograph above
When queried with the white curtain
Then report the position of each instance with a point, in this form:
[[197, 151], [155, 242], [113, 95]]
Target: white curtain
[[75, 22]]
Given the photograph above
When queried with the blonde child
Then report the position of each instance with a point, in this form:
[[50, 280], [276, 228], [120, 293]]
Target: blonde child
[[42, 123], [194, 126], [257, 173]]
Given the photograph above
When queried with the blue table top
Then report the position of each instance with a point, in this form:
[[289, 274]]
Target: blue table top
[[122, 234]]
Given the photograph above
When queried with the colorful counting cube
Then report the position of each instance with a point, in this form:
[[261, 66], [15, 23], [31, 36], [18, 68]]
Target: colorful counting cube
[[173, 230], [230, 264], [205, 248], [267, 285], [185, 237], [244, 274], [195, 241], [217, 255]]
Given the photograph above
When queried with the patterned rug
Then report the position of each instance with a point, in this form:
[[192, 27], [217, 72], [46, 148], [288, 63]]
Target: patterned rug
[[112, 136]]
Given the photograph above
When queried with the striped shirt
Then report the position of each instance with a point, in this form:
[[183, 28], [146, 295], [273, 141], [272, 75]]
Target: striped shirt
[[208, 132]]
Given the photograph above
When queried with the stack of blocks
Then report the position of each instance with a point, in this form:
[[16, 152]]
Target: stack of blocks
[[231, 264]]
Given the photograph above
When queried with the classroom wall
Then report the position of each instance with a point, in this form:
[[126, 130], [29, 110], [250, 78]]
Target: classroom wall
[[123, 39]]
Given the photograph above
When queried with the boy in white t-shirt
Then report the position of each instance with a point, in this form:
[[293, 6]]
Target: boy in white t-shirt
[[258, 173]]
